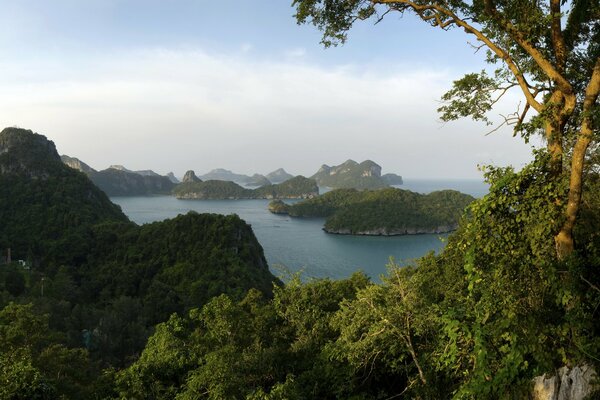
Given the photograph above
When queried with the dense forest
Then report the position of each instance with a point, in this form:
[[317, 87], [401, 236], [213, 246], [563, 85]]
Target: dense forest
[[381, 212]]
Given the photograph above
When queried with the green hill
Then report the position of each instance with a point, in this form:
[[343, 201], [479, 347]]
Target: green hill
[[381, 212]]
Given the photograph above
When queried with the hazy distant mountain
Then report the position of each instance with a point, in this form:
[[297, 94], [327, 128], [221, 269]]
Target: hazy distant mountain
[[220, 174], [350, 174], [120, 181], [172, 177], [144, 172], [392, 179], [278, 176], [258, 180], [116, 182]]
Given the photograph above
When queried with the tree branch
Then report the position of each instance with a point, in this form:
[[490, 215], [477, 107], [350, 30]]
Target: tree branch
[[537, 56], [503, 54]]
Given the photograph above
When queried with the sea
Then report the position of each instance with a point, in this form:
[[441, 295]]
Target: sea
[[299, 245]]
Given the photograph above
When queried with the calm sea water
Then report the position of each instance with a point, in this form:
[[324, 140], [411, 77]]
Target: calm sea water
[[293, 244]]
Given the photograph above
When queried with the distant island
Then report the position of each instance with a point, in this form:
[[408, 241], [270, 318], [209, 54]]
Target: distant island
[[120, 181], [221, 183], [384, 212], [256, 180], [353, 175], [295, 188]]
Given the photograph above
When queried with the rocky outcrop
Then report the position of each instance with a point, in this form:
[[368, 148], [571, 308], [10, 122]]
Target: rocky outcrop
[[566, 384], [190, 177], [77, 164]]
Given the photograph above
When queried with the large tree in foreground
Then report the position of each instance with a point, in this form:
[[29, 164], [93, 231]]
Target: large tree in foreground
[[550, 50]]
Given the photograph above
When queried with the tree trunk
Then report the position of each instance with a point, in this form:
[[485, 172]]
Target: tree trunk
[[564, 238]]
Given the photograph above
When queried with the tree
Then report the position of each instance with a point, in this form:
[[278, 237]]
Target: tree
[[556, 68]]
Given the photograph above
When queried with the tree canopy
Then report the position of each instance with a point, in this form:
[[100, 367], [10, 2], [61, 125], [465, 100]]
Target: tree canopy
[[549, 50]]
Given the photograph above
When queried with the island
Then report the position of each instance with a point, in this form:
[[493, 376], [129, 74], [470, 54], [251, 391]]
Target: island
[[353, 175], [298, 187], [384, 212], [117, 180]]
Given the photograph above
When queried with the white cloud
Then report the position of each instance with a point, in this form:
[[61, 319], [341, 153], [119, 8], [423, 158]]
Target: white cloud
[[188, 109]]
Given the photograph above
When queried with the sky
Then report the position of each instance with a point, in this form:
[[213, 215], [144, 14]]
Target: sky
[[197, 84]]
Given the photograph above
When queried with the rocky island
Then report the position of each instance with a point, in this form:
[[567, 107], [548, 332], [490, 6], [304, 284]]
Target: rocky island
[[353, 175], [384, 212], [295, 188]]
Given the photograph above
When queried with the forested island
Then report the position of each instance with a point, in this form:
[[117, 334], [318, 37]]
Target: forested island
[[384, 212], [298, 187], [353, 175]]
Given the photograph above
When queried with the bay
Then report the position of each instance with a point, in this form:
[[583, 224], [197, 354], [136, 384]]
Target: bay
[[296, 244]]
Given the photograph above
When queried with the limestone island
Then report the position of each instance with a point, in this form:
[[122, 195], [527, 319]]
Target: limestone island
[[384, 212], [295, 188]]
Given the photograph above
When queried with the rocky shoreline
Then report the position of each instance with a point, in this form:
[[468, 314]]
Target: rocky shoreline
[[399, 232]]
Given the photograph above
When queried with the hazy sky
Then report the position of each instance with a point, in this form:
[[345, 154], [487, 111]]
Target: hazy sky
[[197, 84]]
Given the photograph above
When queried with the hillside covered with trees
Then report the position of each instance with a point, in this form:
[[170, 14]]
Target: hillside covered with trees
[[96, 283]]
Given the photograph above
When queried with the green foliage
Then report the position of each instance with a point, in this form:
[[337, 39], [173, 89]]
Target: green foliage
[[385, 212], [33, 363], [250, 349]]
